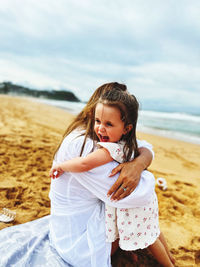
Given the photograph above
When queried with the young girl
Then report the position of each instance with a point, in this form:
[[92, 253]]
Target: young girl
[[114, 125]]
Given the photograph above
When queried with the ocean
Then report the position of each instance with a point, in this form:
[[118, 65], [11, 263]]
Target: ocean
[[181, 126]]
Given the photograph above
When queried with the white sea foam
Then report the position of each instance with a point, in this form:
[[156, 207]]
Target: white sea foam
[[169, 134], [72, 107], [170, 115]]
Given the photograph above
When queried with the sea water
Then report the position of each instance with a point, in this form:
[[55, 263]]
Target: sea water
[[176, 125]]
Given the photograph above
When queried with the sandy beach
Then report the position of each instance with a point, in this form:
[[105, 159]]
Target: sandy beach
[[29, 134]]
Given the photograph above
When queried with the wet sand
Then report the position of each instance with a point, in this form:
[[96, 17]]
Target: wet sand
[[29, 134]]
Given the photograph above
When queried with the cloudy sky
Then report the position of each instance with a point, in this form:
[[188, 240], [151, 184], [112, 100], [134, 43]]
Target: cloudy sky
[[153, 46]]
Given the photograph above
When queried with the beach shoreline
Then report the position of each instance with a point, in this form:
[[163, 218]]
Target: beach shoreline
[[145, 116], [30, 132]]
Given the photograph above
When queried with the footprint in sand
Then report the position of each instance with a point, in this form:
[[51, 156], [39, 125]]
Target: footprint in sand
[[197, 257], [15, 193]]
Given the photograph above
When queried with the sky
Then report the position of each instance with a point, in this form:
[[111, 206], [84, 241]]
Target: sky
[[150, 45]]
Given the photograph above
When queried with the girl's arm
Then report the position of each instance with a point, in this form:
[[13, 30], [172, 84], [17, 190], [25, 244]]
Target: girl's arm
[[95, 159], [96, 181]]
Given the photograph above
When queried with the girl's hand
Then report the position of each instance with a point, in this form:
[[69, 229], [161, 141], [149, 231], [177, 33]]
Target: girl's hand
[[56, 171], [127, 181]]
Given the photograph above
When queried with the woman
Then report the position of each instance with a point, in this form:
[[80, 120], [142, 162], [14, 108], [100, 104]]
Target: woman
[[77, 208], [75, 199]]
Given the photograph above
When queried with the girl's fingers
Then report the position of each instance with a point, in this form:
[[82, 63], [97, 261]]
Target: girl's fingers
[[53, 173]]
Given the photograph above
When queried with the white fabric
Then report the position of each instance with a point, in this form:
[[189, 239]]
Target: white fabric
[[77, 223], [136, 228], [143, 143], [115, 150]]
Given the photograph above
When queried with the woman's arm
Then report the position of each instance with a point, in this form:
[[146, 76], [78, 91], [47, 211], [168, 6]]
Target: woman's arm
[[130, 173], [96, 181], [82, 164]]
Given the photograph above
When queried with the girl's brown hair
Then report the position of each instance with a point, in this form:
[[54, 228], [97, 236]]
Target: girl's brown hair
[[128, 106], [84, 119]]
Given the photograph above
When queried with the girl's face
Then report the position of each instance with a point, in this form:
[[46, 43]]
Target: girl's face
[[108, 124]]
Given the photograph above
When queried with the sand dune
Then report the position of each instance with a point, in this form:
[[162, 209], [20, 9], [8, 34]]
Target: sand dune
[[30, 132]]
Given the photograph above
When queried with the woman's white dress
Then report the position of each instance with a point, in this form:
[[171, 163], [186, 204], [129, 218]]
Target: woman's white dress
[[74, 234]]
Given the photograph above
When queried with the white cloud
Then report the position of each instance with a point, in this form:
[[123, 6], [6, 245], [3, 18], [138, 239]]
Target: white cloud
[[153, 46]]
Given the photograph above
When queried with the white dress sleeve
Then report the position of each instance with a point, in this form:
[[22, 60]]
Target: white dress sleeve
[[97, 180], [115, 150], [143, 143]]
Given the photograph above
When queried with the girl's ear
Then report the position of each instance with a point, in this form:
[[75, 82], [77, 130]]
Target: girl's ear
[[128, 128]]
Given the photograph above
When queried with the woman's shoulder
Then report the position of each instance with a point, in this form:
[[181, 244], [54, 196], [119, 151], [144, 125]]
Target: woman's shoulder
[[75, 137], [74, 142]]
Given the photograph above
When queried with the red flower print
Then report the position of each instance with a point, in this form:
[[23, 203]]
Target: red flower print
[[144, 219], [122, 209], [132, 234], [110, 215], [129, 222], [135, 243], [127, 214], [138, 225], [118, 151], [139, 234], [136, 216], [121, 231], [149, 226], [122, 223], [109, 230], [126, 238]]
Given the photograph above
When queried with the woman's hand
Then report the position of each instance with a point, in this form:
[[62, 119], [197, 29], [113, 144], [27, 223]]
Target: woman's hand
[[130, 173], [127, 181]]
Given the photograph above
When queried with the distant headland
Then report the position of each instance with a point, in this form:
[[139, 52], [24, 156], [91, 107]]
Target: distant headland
[[13, 89]]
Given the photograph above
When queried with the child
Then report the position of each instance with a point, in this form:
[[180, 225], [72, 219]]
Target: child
[[114, 125]]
